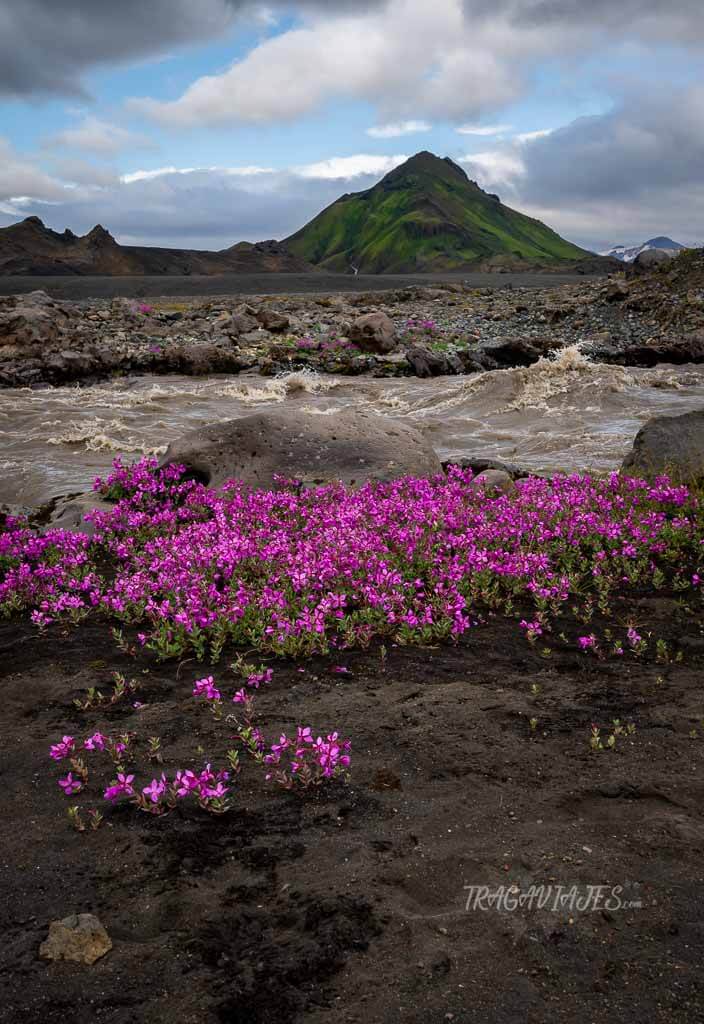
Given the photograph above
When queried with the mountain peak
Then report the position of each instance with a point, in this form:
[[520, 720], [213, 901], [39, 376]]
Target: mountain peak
[[99, 236], [428, 164], [425, 215]]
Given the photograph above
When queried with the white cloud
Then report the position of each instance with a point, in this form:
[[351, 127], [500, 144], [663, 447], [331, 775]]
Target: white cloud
[[19, 177], [396, 129], [100, 137], [340, 167], [494, 168], [529, 136], [196, 207], [453, 59], [408, 57], [487, 129], [161, 172]]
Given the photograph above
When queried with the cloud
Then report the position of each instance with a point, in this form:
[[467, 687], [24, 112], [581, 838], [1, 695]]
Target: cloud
[[161, 172], [487, 129], [96, 136], [47, 45], [625, 175], [452, 59], [209, 208], [676, 21], [396, 129], [83, 172], [408, 57], [21, 178], [340, 167]]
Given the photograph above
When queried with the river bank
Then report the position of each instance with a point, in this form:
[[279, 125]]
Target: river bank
[[418, 331]]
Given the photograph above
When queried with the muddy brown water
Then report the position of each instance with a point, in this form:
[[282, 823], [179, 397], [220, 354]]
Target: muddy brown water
[[563, 415]]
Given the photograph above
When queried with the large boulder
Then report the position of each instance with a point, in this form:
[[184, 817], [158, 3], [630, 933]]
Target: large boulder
[[649, 259], [31, 320], [373, 332], [504, 353], [428, 363], [669, 444], [348, 446]]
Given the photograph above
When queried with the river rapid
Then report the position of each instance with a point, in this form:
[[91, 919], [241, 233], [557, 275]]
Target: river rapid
[[563, 414]]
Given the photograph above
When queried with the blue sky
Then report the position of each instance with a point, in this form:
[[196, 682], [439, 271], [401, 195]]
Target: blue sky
[[241, 120]]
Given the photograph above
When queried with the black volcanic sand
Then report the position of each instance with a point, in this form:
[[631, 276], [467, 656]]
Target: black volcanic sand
[[78, 288], [350, 906]]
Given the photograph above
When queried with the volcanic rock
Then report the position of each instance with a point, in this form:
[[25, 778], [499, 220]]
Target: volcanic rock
[[373, 332], [351, 447], [669, 444]]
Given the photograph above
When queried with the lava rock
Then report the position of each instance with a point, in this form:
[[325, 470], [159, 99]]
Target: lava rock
[[273, 321], [503, 353], [669, 444], [373, 332], [351, 447]]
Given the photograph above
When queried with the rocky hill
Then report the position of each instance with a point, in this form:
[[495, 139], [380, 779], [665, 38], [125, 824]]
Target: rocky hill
[[29, 247], [427, 215]]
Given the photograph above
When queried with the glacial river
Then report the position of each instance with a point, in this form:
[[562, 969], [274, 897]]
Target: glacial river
[[566, 414]]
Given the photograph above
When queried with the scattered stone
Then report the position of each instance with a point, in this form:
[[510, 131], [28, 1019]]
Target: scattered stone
[[493, 481], [351, 447], [80, 938], [273, 321], [374, 332], [615, 291]]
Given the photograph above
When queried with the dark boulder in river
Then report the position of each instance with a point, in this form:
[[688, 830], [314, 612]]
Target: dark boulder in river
[[352, 447], [669, 444]]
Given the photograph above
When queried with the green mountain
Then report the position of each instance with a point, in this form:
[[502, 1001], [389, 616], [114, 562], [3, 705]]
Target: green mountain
[[425, 215]]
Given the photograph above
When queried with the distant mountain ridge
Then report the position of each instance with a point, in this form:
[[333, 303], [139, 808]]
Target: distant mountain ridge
[[627, 254], [426, 215], [31, 248]]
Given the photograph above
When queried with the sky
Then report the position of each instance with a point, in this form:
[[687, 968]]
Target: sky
[[200, 124]]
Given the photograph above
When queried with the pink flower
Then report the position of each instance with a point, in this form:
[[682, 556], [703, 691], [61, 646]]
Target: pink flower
[[121, 787], [95, 742], [186, 782], [206, 688], [256, 678], [70, 785], [156, 789], [63, 749], [587, 642]]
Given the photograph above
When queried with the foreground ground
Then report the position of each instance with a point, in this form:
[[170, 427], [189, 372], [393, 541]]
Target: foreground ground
[[351, 906]]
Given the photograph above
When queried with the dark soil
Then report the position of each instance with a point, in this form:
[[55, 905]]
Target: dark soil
[[350, 906], [77, 288]]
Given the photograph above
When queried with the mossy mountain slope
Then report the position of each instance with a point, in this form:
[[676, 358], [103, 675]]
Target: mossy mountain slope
[[425, 215]]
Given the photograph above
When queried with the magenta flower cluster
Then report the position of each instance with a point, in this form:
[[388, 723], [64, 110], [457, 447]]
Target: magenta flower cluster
[[296, 573]]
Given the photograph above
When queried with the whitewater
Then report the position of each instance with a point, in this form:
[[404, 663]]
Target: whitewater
[[561, 414]]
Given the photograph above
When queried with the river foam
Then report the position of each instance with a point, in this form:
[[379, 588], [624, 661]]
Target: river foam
[[563, 413]]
